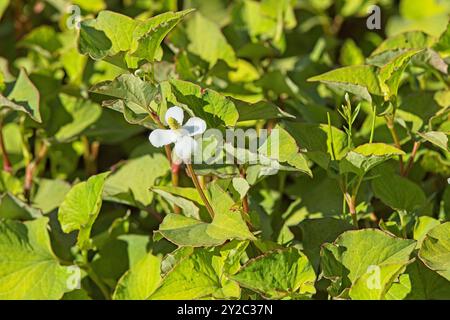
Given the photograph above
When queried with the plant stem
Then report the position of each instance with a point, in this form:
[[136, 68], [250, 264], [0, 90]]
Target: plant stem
[[98, 282], [351, 202], [372, 129], [175, 169], [391, 127], [411, 159], [199, 189], [31, 169], [6, 162], [90, 155]]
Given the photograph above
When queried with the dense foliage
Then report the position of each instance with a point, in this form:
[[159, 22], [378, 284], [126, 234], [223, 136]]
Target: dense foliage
[[359, 203]]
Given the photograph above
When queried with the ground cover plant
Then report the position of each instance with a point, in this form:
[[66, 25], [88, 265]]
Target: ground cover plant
[[114, 123]]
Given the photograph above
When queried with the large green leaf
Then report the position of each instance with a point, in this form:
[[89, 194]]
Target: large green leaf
[[198, 275], [140, 281], [398, 192], [279, 274], [435, 250], [28, 267], [356, 257], [123, 41], [81, 207], [227, 224], [24, 97]]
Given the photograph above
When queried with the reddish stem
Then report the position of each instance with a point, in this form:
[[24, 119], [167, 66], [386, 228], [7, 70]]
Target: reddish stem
[[6, 162]]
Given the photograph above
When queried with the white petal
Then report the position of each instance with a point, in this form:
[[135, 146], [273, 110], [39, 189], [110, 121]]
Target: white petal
[[185, 147], [195, 126], [175, 113], [161, 137]]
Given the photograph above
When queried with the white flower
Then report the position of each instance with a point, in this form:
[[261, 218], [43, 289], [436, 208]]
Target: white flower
[[179, 134]]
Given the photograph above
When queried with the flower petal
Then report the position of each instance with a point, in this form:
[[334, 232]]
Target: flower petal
[[195, 126], [175, 113], [185, 147], [161, 137]]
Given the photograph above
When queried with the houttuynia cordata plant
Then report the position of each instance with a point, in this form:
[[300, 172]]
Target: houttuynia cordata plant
[[214, 149]]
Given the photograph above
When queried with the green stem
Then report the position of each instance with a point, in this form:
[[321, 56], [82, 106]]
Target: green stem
[[372, 129], [200, 190]]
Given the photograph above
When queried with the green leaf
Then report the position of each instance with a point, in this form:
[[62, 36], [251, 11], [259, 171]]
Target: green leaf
[[407, 40], [189, 208], [14, 208], [443, 44], [158, 26], [50, 194], [119, 39], [279, 274], [359, 80], [131, 183], [140, 281], [83, 113], [81, 207], [398, 192], [390, 74], [316, 232], [437, 138], [422, 226], [281, 146], [3, 5], [207, 104], [356, 256], [199, 275], [260, 110], [28, 268], [365, 157], [435, 250], [211, 46], [320, 145], [137, 94], [419, 283], [24, 97], [227, 224]]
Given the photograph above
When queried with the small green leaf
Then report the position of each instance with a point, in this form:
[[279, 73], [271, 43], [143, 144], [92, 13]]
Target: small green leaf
[[367, 156], [81, 207], [207, 104], [24, 97], [437, 138], [212, 45]]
